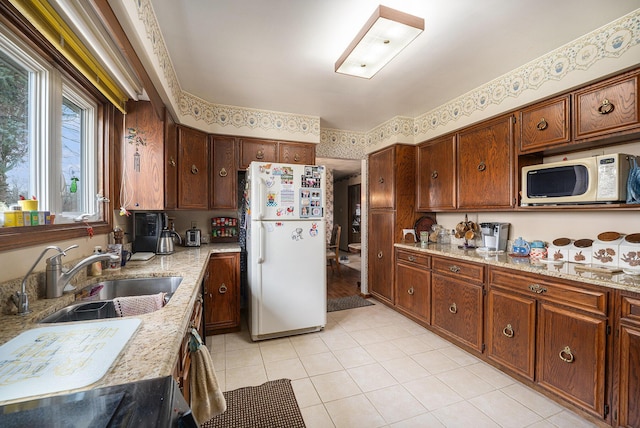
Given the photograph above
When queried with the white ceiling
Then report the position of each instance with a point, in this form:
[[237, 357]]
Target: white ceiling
[[279, 54]]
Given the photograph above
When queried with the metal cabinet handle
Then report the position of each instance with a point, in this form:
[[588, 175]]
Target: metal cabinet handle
[[482, 166], [542, 125], [381, 180], [380, 254], [411, 258], [566, 355], [434, 174], [172, 161], [508, 331], [222, 289], [296, 157], [606, 107], [454, 268], [223, 172], [537, 288], [194, 169], [453, 308], [260, 154], [410, 291]]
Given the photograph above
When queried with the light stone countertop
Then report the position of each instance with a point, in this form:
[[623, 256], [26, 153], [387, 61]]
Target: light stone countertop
[[568, 271], [153, 350]]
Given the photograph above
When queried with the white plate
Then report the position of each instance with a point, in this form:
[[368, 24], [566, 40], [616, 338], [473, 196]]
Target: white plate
[[631, 271], [551, 261]]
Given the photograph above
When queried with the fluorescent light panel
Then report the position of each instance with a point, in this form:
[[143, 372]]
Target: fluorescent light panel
[[385, 34]]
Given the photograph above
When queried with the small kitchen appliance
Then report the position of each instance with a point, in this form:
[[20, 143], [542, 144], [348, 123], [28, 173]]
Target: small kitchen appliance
[[192, 238], [165, 244], [147, 229], [494, 235]]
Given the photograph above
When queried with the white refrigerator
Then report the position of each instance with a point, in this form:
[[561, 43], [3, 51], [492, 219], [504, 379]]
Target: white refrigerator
[[286, 249]]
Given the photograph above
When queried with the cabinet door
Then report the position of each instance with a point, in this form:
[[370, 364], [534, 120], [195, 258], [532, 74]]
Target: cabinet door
[[571, 356], [257, 150], [170, 162], [382, 179], [297, 153], [484, 165], [545, 125], [193, 169], [629, 377], [380, 252], [413, 291], [607, 107], [222, 294], [511, 331], [143, 157], [224, 177], [436, 175], [456, 309]]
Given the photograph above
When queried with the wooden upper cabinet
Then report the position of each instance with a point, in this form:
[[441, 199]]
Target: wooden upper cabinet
[[143, 162], [382, 179], [436, 173], [485, 154], [193, 169], [297, 153], [252, 149], [170, 162], [607, 107], [224, 177], [545, 125]]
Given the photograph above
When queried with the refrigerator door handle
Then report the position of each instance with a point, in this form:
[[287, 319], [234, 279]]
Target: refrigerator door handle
[[261, 240], [262, 190]]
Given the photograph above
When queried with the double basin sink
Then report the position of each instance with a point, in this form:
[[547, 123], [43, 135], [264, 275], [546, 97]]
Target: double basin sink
[[101, 297]]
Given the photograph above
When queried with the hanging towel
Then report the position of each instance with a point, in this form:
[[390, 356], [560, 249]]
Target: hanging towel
[[207, 399], [138, 305]]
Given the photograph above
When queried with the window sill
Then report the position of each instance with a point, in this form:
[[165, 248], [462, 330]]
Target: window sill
[[13, 238]]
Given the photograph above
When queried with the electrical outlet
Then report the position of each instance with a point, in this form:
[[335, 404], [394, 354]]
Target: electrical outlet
[[194, 224]]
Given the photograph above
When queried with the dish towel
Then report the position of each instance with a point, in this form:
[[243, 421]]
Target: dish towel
[[206, 399], [138, 305]]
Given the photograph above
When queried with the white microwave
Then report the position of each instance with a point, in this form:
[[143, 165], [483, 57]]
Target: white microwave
[[598, 179]]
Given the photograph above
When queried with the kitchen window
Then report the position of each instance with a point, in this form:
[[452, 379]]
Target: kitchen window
[[51, 144]]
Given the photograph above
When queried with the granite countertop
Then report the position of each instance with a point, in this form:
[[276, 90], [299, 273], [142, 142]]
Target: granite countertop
[[568, 271], [153, 350]]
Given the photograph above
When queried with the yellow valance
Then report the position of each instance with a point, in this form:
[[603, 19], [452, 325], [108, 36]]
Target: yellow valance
[[51, 25]]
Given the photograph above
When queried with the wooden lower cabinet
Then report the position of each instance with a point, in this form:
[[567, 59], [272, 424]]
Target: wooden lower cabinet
[[181, 372], [380, 251], [628, 361], [571, 356], [221, 292], [510, 332], [413, 285], [457, 309]]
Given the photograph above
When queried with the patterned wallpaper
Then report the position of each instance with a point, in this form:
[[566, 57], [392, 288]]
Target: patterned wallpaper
[[609, 42]]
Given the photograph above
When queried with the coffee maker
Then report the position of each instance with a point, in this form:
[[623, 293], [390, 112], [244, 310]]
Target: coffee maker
[[494, 236], [147, 228]]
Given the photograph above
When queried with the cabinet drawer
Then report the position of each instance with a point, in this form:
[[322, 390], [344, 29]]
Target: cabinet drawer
[[630, 308], [415, 258], [458, 268], [297, 153], [544, 125], [566, 293], [257, 150]]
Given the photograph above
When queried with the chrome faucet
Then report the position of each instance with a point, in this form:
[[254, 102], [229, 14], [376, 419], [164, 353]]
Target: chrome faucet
[[57, 278], [20, 298]]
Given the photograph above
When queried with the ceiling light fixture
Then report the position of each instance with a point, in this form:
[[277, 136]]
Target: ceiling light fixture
[[385, 34]]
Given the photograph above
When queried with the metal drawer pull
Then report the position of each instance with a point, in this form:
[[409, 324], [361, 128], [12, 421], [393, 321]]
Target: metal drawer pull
[[542, 125], [296, 158], [453, 308], [194, 169], [222, 289], [566, 355], [482, 166], [508, 331], [454, 269], [260, 154], [223, 172], [606, 107], [537, 288], [434, 174], [172, 161], [381, 180], [410, 291], [411, 258], [379, 254]]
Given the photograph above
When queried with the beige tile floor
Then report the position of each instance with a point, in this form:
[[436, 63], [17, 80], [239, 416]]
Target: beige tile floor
[[372, 367]]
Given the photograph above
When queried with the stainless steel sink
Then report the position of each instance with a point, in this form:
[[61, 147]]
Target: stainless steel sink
[[102, 294]]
